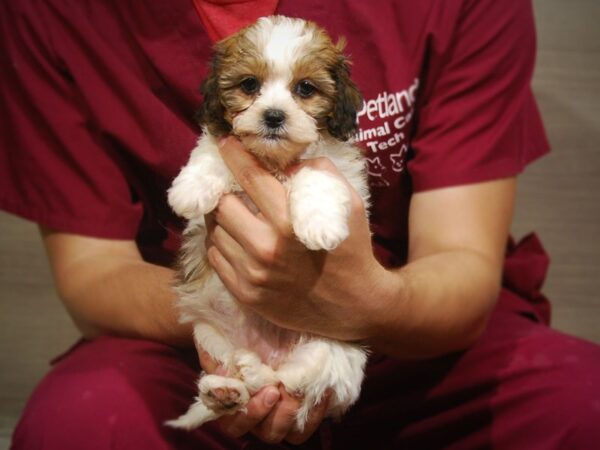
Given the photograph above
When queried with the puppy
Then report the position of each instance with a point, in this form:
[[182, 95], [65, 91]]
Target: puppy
[[283, 88]]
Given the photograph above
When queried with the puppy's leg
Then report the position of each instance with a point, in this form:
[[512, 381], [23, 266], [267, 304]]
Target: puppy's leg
[[252, 371], [201, 183], [319, 208], [322, 365], [218, 395], [215, 344]]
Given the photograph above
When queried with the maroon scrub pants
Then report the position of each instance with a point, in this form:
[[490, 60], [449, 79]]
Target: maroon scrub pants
[[521, 386]]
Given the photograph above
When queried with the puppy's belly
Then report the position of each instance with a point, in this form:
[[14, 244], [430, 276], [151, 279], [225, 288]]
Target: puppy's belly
[[270, 343], [242, 327]]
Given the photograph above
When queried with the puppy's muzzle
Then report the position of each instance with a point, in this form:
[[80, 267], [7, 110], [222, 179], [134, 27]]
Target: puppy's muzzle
[[273, 118]]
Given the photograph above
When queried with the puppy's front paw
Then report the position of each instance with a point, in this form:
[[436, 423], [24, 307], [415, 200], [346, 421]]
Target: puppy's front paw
[[320, 208], [321, 231], [195, 193]]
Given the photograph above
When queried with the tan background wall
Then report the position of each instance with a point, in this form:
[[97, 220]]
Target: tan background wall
[[559, 195], [558, 198]]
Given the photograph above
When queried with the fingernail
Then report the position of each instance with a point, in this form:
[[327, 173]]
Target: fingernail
[[271, 397], [221, 141]]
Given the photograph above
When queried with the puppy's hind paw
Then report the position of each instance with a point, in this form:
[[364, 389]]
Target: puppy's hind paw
[[223, 394], [218, 396]]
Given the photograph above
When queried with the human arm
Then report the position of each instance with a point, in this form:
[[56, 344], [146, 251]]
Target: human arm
[[109, 289], [438, 303], [445, 293]]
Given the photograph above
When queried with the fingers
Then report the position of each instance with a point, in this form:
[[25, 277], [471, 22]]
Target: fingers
[[224, 270], [215, 256], [258, 408], [263, 188], [230, 248], [241, 224], [271, 416], [236, 267], [280, 424], [280, 421], [228, 258]]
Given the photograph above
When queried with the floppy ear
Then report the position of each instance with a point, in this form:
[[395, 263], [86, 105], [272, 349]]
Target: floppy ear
[[342, 121], [212, 111]]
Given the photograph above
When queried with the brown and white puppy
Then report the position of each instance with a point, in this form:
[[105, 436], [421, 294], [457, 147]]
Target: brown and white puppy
[[283, 88]]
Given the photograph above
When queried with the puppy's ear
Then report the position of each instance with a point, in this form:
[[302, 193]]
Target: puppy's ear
[[342, 122], [212, 111]]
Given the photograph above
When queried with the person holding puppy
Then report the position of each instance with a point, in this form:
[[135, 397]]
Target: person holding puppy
[[99, 101]]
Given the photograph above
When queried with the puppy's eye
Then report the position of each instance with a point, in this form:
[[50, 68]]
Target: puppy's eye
[[250, 85], [305, 89]]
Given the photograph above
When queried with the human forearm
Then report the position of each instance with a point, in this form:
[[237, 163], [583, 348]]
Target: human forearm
[[108, 289], [437, 303], [128, 298], [434, 305], [440, 300]]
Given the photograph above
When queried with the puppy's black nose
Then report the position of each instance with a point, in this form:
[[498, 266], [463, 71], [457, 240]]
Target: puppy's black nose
[[274, 118]]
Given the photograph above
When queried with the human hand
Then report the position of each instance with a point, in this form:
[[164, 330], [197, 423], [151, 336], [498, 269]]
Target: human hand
[[266, 268], [271, 413]]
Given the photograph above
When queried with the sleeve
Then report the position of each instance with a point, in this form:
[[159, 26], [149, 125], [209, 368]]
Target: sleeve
[[477, 117], [54, 167]]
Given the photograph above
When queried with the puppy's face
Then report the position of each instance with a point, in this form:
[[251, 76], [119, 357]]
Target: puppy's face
[[280, 85]]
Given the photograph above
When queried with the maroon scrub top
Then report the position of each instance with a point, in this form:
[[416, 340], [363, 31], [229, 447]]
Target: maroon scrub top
[[98, 99]]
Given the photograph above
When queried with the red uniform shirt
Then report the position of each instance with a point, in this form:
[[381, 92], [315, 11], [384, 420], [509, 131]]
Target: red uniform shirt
[[97, 105]]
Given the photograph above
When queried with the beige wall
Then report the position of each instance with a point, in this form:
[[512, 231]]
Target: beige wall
[[559, 195]]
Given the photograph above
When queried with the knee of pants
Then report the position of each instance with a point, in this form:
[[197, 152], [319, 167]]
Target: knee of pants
[[553, 385], [107, 392]]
